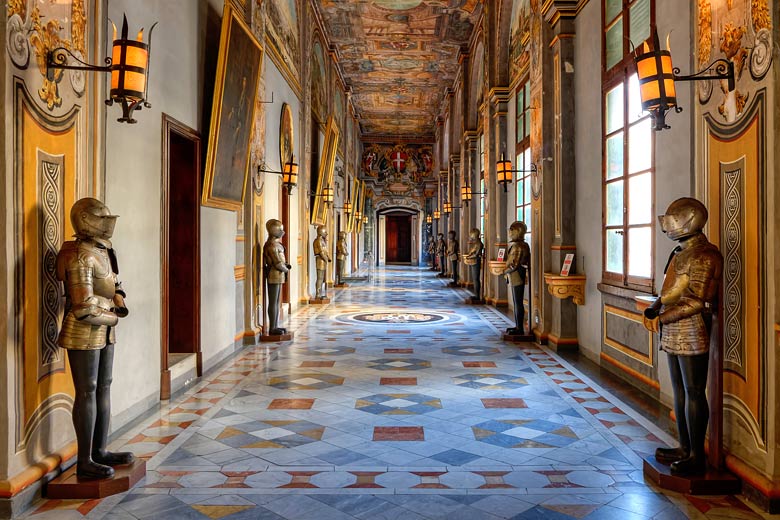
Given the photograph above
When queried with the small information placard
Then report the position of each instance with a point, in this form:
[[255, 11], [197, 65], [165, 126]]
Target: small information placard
[[501, 254], [567, 261]]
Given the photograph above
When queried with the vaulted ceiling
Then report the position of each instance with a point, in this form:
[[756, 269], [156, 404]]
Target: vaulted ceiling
[[398, 57]]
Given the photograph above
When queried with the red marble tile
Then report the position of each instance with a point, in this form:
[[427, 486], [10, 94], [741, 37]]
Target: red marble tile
[[401, 381], [317, 364], [365, 479], [291, 404], [504, 403], [399, 433], [88, 506], [479, 364], [399, 351]]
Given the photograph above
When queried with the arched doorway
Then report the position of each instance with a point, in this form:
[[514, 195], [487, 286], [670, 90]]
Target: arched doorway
[[398, 245]]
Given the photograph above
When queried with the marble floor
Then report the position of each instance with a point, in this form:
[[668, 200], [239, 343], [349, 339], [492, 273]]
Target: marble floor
[[396, 401]]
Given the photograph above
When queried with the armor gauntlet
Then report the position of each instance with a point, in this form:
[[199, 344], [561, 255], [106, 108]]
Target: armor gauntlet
[[685, 307], [85, 305]]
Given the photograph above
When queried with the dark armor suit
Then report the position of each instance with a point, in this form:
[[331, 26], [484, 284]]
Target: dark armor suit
[[691, 283], [453, 250], [94, 303], [441, 252], [341, 256], [473, 259], [322, 257], [276, 268], [517, 259]]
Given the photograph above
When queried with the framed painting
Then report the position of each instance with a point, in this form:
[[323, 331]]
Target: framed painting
[[319, 214], [353, 201], [232, 113], [286, 135], [362, 205]]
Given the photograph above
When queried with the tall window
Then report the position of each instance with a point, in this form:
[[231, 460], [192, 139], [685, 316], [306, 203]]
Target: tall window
[[629, 146], [523, 155]]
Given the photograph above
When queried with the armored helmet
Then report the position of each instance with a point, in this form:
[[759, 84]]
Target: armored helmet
[[274, 228], [684, 218], [92, 219]]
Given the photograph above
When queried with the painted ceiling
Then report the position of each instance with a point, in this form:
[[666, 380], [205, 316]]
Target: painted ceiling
[[399, 56]]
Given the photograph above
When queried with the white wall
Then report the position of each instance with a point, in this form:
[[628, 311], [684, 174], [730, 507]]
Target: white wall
[[133, 190]]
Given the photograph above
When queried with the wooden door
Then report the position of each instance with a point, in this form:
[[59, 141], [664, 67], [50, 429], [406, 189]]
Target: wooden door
[[399, 239]]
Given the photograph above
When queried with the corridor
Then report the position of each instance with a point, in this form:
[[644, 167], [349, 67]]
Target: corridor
[[395, 401]]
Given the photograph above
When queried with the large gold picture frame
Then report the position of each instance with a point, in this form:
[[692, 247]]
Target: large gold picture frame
[[319, 214], [286, 135], [362, 204], [353, 201], [232, 113]]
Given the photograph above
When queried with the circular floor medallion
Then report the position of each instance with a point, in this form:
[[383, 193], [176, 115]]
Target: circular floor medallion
[[398, 317]]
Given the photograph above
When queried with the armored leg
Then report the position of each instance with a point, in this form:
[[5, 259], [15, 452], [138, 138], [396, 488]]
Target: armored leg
[[697, 412], [339, 271], [102, 421], [517, 299], [84, 366], [454, 264], [475, 277], [669, 455], [442, 265], [274, 292], [320, 284]]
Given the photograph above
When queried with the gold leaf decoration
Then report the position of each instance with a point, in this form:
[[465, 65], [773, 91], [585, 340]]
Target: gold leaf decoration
[[760, 12], [44, 38], [78, 26], [705, 32], [17, 7]]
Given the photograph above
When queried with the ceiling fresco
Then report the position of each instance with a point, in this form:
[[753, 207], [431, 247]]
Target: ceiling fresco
[[399, 56]]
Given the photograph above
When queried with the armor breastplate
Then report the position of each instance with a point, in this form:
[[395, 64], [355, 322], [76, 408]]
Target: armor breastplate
[[85, 270], [273, 253]]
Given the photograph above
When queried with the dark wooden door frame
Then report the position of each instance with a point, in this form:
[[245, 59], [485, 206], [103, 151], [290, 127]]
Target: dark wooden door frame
[[169, 126]]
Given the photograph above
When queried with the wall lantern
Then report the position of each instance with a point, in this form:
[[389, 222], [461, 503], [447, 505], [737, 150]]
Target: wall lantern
[[447, 208], [466, 194], [290, 176], [657, 77], [327, 195], [436, 214], [365, 219], [347, 207], [429, 219], [128, 65], [504, 171]]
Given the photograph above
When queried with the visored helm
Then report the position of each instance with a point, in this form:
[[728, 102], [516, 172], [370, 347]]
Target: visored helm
[[474, 233], [684, 218], [322, 231], [92, 219], [274, 228], [518, 226]]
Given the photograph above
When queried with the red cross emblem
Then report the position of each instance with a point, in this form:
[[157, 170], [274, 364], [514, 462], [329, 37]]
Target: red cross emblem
[[399, 160]]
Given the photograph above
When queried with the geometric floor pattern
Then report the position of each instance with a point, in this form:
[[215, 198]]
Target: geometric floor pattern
[[395, 420]]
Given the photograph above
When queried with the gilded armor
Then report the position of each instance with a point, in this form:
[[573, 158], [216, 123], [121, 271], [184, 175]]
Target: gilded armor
[[441, 246], [341, 246], [518, 256], [453, 247], [320, 245], [274, 262], [87, 266], [476, 248]]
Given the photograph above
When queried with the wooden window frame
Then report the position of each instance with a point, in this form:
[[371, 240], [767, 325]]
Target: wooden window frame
[[618, 74], [522, 146]]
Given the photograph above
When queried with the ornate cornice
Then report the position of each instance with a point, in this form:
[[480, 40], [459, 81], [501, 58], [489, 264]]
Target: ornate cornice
[[553, 10]]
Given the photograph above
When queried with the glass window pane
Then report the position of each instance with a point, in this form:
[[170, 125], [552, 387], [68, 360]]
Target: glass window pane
[[527, 162], [519, 213], [527, 220], [640, 258], [615, 251], [527, 124], [615, 156], [640, 147], [614, 51], [615, 203], [640, 199], [639, 22], [612, 9], [635, 111], [615, 109], [519, 100], [527, 100], [520, 193], [520, 127]]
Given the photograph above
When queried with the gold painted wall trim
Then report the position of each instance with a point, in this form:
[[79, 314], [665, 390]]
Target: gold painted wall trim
[[630, 371], [20, 481], [625, 349]]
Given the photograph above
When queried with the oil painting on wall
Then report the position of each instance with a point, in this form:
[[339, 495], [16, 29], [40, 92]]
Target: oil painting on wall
[[238, 72], [318, 81], [282, 38]]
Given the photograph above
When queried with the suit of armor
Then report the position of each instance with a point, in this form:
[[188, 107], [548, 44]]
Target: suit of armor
[[432, 251], [322, 257], [441, 252], [276, 268], [684, 309], [453, 250], [94, 302], [341, 256], [517, 259], [473, 259]]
